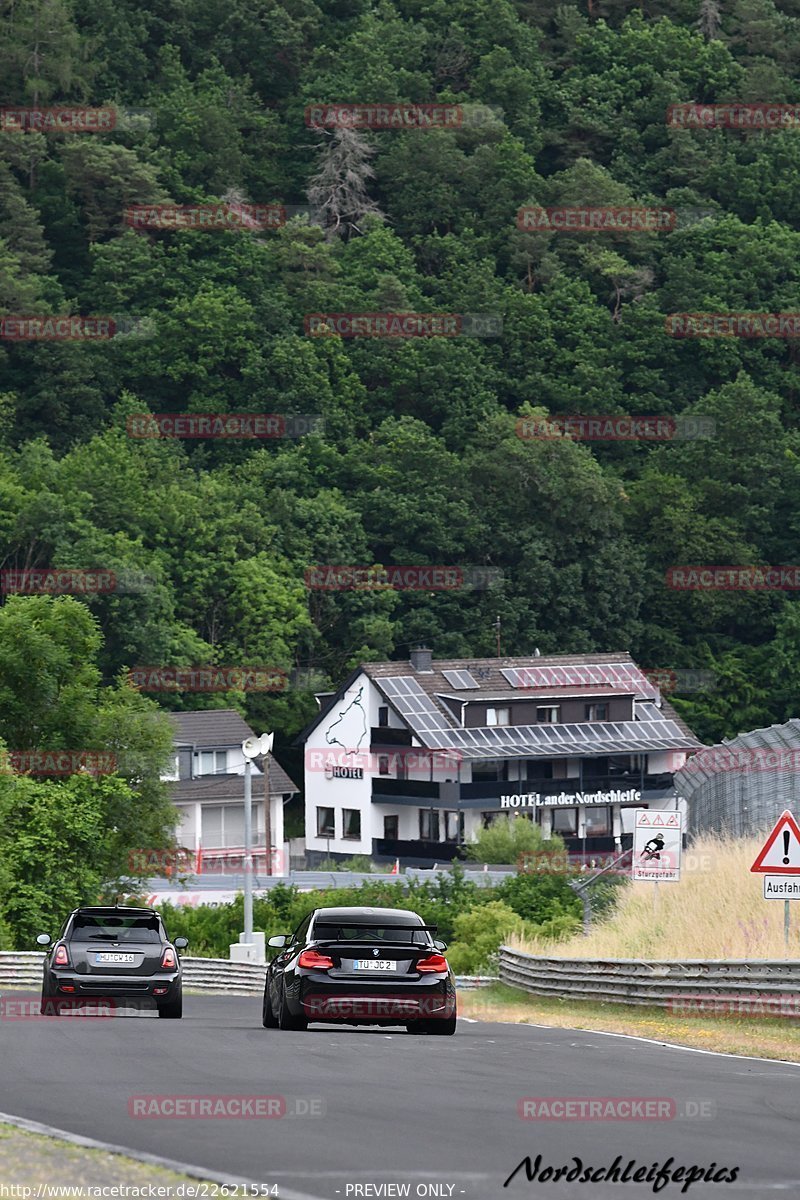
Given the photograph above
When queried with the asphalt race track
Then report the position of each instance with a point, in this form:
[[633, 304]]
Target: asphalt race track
[[391, 1108]]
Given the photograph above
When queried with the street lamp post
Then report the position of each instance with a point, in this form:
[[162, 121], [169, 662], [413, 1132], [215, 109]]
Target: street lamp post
[[251, 748]]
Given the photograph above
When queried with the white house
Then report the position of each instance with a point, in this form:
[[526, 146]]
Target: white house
[[208, 790], [409, 759]]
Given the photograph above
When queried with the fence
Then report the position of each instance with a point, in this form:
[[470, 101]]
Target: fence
[[210, 975], [663, 984]]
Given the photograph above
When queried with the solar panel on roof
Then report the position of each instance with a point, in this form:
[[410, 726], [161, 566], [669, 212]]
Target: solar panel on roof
[[648, 712], [460, 679], [625, 675], [595, 738], [414, 704]]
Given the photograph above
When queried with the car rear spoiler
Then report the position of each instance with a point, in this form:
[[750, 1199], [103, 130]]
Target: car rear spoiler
[[380, 925]]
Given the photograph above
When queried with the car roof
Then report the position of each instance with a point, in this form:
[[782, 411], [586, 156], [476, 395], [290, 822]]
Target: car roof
[[114, 910], [370, 916]]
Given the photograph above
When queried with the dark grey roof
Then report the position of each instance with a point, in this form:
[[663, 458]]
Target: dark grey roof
[[231, 787], [417, 697], [213, 728]]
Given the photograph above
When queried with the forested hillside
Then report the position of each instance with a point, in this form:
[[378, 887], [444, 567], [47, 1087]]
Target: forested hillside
[[419, 459]]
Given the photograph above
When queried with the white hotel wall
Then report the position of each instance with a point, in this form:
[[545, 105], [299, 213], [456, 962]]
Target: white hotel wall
[[357, 793]]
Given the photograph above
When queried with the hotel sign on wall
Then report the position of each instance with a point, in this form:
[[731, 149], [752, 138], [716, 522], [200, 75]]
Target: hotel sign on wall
[[344, 772], [538, 800]]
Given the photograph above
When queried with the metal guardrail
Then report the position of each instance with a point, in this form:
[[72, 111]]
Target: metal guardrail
[[208, 975], [306, 881], [665, 984]]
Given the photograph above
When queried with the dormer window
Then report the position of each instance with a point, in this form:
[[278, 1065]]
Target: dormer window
[[498, 716], [211, 762]]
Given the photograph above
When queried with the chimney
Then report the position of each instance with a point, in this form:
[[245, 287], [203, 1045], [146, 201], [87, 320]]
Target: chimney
[[421, 658]]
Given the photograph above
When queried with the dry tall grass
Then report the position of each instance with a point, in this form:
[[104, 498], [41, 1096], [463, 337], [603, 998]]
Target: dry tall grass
[[716, 911]]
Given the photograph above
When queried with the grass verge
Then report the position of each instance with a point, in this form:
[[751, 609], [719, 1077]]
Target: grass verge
[[765, 1037], [29, 1159]]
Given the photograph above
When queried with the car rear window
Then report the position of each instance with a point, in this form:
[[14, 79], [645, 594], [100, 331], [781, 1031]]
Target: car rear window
[[87, 928], [371, 934]]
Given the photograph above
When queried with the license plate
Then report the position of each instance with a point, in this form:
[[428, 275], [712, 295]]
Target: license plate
[[114, 958], [374, 964]]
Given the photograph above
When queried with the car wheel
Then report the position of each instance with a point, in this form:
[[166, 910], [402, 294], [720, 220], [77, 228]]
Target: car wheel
[[443, 1026], [50, 1006], [172, 1010], [287, 1020], [268, 1018]]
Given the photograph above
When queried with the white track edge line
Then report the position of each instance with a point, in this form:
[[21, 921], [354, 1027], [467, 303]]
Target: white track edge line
[[155, 1160], [633, 1037]]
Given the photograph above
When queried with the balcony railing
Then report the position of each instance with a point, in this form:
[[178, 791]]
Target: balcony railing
[[447, 795]]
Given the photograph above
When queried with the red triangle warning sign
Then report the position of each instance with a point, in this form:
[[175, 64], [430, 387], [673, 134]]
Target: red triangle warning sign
[[658, 821], [674, 820], [780, 854]]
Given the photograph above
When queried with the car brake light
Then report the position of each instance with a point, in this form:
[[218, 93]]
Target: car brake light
[[168, 958], [61, 958], [434, 962], [310, 958]]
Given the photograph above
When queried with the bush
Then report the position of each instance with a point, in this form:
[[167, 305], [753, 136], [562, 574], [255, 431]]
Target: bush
[[479, 934], [509, 837], [540, 898], [212, 930]]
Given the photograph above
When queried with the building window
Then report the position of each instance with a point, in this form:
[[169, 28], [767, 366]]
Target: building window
[[223, 825], [453, 826], [489, 818], [549, 713], [326, 827], [383, 764], [498, 716], [489, 771], [390, 828], [184, 763], [537, 769], [428, 825], [351, 824], [212, 762], [565, 820], [596, 712], [598, 821], [383, 716]]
